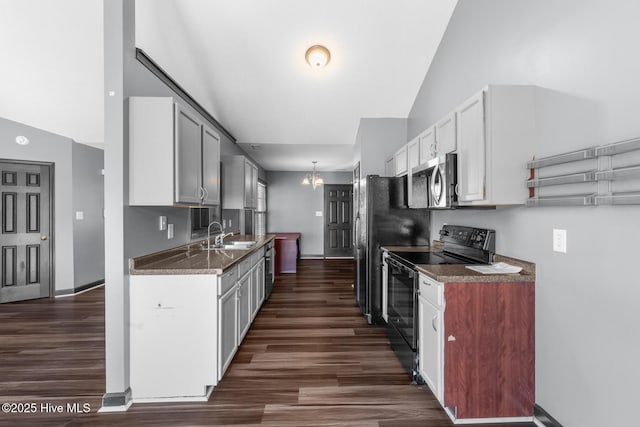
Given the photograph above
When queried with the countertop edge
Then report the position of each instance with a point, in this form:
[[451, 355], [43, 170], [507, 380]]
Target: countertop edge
[[137, 264]]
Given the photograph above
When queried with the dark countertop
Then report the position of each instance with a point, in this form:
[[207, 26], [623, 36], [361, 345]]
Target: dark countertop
[[192, 259], [459, 273]]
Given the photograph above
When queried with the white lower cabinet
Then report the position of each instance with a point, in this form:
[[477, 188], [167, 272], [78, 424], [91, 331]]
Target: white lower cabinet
[[185, 329], [244, 306], [430, 346], [227, 327], [257, 287], [173, 336]]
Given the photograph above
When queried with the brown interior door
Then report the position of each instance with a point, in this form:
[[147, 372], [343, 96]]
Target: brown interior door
[[338, 206], [25, 239]]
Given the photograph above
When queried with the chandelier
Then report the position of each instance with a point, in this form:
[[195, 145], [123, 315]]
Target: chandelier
[[313, 178]]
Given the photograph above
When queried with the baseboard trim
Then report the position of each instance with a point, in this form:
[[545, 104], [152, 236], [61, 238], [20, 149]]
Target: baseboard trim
[[543, 419], [79, 290]]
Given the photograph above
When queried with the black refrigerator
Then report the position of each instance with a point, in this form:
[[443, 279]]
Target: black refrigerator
[[382, 219]]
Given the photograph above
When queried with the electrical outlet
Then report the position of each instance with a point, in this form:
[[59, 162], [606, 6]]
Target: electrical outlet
[[170, 231], [318, 213], [162, 223], [79, 215], [560, 240], [224, 223], [230, 224]]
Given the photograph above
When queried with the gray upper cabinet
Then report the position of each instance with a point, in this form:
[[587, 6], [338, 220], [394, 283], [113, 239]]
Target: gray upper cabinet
[[239, 184], [174, 158], [210, 166], [188, 158]]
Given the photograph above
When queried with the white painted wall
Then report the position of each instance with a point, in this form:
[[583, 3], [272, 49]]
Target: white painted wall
[[585, 52]]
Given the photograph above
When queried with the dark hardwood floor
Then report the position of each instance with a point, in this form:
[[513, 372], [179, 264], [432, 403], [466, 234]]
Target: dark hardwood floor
[[309, 359]]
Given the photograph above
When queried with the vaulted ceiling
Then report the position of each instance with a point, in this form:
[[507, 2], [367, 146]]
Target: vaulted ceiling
[[243, 60]]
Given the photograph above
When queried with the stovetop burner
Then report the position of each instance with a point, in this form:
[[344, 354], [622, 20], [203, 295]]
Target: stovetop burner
[[430, 258]]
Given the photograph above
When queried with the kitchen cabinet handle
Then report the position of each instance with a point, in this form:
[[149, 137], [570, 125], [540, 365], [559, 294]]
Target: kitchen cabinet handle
[[433, 323], [206, 194], [201, 191], [457, 188]]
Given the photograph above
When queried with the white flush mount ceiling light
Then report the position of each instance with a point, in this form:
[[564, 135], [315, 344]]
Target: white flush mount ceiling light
[[22, 140], [317, 56], [313, 178]]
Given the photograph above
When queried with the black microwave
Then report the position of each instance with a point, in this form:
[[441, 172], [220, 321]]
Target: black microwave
[[433, 184]]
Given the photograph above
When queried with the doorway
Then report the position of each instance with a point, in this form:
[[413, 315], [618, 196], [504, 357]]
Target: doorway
[[338, 207], [25, 231]]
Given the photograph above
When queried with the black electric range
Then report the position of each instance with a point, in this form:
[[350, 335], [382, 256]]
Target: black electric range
[[461, 245]]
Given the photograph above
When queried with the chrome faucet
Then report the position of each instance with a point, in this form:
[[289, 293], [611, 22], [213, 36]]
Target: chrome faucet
[[209, 232], [220, 238]]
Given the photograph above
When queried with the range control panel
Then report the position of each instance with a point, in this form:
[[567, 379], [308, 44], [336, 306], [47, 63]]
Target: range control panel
[[477, 238]]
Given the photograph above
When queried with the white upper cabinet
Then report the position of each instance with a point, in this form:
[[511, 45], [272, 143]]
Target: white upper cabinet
[[168, 147], [471, 150], [210, 166], [401, 161], [446, 135], [390, 166], [495, 140], [427, 145], [439, 139], [413, 153]]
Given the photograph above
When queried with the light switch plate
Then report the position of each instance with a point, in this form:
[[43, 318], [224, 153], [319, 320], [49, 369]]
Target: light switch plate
[[162, 223], [318, 213], [560, 240], [79, 215], [170, 231]]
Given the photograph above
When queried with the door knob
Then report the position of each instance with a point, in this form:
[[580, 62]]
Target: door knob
[[43, 238]]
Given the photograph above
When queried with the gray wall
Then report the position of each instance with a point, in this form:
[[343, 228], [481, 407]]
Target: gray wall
[[376, 140], [88, 198], [292, 207], [75, 188], [585, 54]]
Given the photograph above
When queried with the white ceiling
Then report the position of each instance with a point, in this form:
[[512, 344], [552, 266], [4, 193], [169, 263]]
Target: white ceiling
[[243, 60]]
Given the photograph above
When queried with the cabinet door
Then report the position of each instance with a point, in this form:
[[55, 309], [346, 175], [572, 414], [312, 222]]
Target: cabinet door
[[261, 282], [227, 330], [254, 187], [188, 158], [255, 294], [446, 135], [244, 306], [430, 346], [413, 154], [210, 166], [250, 185], [471, 149], [427, 145], [390, 167], [401, 161]]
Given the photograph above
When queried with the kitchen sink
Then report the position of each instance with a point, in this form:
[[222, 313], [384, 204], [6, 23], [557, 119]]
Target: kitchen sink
[[244, 245]]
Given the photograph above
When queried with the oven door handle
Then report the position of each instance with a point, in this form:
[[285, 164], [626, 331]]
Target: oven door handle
[[403, 268]]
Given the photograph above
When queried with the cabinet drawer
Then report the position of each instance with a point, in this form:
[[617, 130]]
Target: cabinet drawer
[[227, 280], [431, 290], [255, 257], [244, 266]]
